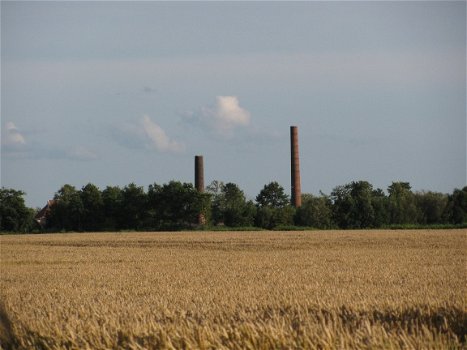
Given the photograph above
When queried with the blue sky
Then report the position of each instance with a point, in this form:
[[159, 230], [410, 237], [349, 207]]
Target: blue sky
[[119, 92]]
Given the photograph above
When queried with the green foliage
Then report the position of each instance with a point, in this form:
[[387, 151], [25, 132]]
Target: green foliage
[[223, 228], [133, 210], [68, 210], [14, 215], [93, 208], [380, 204], [431, 206], [270, 217], [229, 205], [272, 195], [234, 202], [402, 204], [177, 205], [353, 206], [273, 207], [214, 189], [315, 212], [112, 199], [456, 209], [292, 228]]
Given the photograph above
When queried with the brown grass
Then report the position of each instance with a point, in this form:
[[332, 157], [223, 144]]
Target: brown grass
[[242, 290]]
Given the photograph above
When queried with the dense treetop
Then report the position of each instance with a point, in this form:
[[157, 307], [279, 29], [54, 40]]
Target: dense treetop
[[176, 206]]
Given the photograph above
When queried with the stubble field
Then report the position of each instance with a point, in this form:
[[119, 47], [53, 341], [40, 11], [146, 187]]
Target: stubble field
[[235, 290]]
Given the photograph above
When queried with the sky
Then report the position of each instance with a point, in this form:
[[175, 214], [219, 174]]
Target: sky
[[118, 92]]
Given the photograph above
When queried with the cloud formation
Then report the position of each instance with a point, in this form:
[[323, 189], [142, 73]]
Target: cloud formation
[[145, 133], [11, 137], [223, 117], [14, 145], [157, 137]]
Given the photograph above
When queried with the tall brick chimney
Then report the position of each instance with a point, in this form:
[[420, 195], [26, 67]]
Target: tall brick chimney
[[296, 197], [199, 173], [199, 183]]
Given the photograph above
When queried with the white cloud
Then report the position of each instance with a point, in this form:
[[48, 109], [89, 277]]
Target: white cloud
[[158, 138], [223, 117], [11, 135], [145, 133]]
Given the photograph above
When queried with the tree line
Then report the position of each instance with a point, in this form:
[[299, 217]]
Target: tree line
[[177, 206]]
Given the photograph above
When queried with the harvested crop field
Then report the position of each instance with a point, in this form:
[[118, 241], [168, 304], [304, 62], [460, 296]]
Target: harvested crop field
[[235, 290]]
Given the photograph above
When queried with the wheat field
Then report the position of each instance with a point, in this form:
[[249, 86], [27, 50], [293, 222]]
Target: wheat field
[[235, 290]]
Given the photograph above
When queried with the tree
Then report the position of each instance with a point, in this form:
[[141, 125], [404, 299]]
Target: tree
[[269, 217], [272, 195], [133, 210], [93, 208], [273, 207], [380, 204], [14, 215], [402, 206], [431, 206], [112, 200], [177, 205], [456, 208], [152, 221], [235, 210], [249, 214], [229, 205], [315, 212], [67, 212], [363, 213], [353, 205], [214, 189], [342, 205]]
